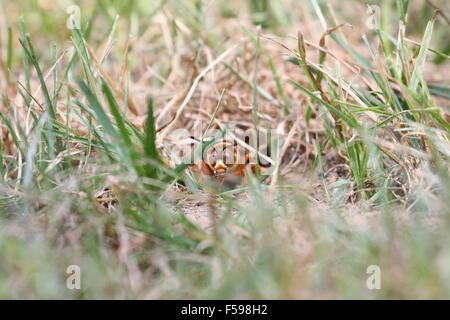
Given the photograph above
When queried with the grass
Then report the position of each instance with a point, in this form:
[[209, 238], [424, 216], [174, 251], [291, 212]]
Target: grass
[[87, 120]]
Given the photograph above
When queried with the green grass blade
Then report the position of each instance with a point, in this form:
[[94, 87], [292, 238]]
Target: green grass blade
[[421, 59]]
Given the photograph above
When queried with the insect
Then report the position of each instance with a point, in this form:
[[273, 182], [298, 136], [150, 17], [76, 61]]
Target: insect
[[225, 162]]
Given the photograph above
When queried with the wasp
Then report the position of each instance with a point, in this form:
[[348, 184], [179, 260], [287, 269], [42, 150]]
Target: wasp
[[226, 163]]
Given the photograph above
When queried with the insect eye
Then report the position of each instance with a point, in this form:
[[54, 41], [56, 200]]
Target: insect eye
[[227, 158], [212, 157]]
